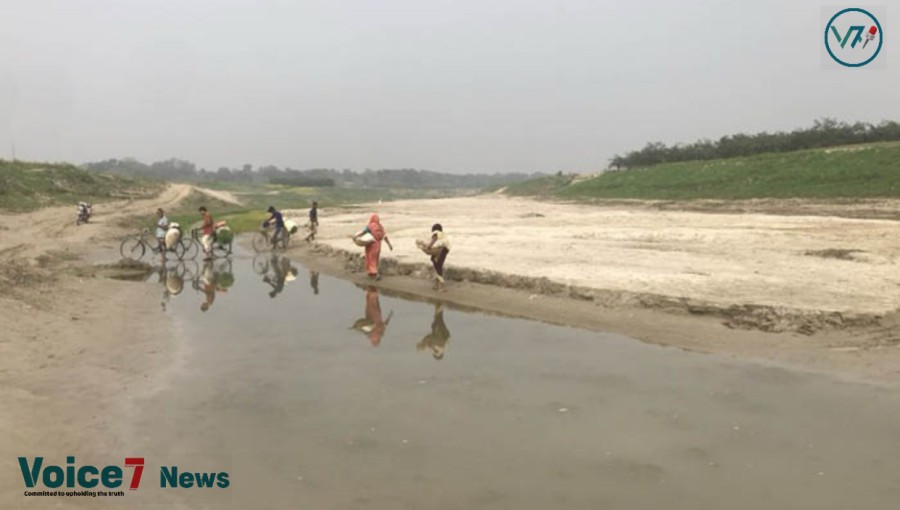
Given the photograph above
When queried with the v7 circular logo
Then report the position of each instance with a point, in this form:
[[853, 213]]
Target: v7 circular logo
[[853, 37]]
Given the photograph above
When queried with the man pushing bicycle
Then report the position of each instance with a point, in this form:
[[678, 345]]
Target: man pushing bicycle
[[277, 219]]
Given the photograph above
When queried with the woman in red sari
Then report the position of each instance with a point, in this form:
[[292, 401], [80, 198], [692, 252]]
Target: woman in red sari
[[373, 248]]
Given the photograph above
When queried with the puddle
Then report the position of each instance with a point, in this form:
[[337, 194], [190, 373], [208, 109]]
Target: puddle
[[314, 392]]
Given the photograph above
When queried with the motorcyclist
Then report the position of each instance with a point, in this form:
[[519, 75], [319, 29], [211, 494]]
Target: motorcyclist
[[84, 212]]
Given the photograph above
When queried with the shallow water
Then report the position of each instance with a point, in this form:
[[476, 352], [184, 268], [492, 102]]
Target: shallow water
[[321, 394]]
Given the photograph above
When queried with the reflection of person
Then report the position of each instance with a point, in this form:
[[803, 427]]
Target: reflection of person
[[162, 224], [172, 283], [163, 279], [208, 282], [314, 281], [281, 271], [437, 339], [373, 324], [373, 249], [438, 249], [313, 222], [208, 230]]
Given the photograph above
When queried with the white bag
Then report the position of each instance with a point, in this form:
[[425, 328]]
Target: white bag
[[173, 235], [422, 244], [364, 240]]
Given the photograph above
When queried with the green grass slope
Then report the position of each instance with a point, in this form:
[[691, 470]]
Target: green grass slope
[[26, 186], [860, 171]]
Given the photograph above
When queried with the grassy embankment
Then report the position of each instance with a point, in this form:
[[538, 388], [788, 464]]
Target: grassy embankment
[[25, 186], [859, 171]]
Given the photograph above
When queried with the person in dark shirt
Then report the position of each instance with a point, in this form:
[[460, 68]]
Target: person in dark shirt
[[277, 219], [313, 222]]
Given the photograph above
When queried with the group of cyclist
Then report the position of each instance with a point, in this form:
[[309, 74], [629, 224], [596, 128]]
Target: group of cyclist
[[208, 228], [437, 247]]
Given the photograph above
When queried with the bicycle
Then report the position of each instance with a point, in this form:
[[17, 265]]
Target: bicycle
[[219, 248], [135, 247], [262, 240]]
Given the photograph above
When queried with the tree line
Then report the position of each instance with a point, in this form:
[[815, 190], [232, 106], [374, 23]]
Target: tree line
[[825, 132], [175, 169]]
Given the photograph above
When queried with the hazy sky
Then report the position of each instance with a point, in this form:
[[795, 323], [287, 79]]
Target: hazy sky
[[448, 85]]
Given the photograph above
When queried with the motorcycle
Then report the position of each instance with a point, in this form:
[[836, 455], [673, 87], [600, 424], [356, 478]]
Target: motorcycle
[[85, 210]]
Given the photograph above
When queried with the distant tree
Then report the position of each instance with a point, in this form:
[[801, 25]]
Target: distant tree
[[826, 132], [411, 178]]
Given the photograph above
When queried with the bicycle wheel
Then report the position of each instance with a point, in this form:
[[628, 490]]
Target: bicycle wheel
[[189, 269], [132, 248], [261, 264], [186, 249], [260, 242], [222, 250]]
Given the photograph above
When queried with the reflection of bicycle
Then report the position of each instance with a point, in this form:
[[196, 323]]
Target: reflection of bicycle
[[219, 248], [186, 270], [136, 247], [263, 240], [261, 264]]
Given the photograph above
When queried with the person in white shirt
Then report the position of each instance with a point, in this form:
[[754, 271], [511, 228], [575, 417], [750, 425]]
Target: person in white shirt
[[162, 225]]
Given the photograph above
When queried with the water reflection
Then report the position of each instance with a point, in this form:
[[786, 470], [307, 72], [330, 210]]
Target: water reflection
[[212, 278], [373, 325], [216, 276], [437, 340], [314, 281], [171, 277], [276, 271]]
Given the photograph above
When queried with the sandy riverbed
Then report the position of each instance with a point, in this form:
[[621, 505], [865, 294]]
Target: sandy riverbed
[[76, 349], [677, 278], [802, 262]]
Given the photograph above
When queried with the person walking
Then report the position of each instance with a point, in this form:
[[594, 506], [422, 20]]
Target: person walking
[[208, 229], [313, 222], [438, 249], [373, 246]]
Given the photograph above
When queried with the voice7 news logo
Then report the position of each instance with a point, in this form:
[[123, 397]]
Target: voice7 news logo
[[38, 474], [853, 37], [85, 477]]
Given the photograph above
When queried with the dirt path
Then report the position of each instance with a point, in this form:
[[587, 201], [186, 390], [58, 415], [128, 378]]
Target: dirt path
[[223, 196], [53, 229], [74, 350]]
